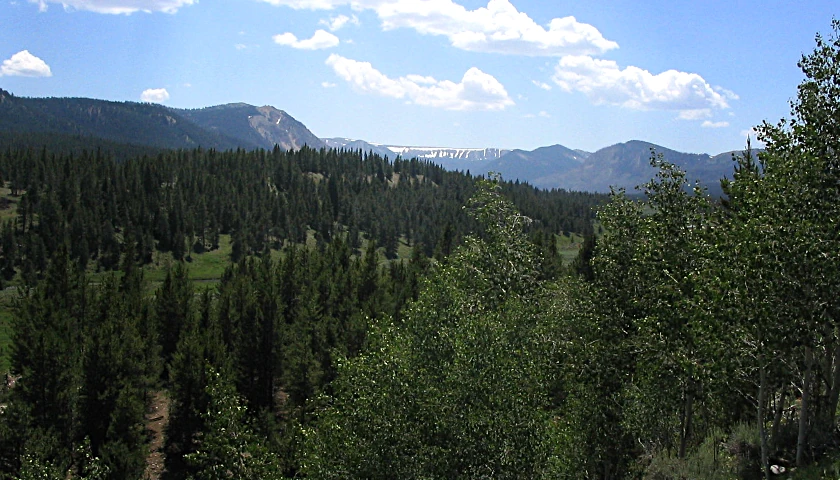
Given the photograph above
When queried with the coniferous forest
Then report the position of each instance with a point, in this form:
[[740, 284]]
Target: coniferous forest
[[390, 319]]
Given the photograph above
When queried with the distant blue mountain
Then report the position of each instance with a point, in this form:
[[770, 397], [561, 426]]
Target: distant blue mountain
[[349, 144]]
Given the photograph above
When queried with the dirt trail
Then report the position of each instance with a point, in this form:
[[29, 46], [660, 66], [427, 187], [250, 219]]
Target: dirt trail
[[157, 418]]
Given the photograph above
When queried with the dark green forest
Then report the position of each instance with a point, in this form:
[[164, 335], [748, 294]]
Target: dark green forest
[[389, 319]]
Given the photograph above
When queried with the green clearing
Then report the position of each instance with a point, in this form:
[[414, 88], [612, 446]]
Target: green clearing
[[8, 204], [569, 246], [206, 269], [202, 267]]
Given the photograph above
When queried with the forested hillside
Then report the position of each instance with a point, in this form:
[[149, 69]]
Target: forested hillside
[[319, 243], [117, 122], [384, 320], [182, 201]]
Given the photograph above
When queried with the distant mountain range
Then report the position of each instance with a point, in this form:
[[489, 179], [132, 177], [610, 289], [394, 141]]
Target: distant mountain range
[[362, 145], [239, 125], [622, 165], [451, 158]]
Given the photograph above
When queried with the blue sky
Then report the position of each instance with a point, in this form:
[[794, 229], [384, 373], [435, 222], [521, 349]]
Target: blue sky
[[691, 76]]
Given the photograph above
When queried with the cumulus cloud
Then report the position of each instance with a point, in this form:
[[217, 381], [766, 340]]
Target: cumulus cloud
[[500, 28], [605, 83], [320, 40], [711, 124], [24, 64], [328, 84], [336, 23], [497, 28], [542, 85], [154, 95], [116, 7], [476, 90]]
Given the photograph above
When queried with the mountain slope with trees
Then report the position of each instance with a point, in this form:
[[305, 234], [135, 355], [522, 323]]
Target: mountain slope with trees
[[118, 122]]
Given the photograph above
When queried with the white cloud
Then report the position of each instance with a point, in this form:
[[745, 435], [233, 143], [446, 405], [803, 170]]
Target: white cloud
[[320, 40], [500, 28], [154, 95], [240, 46], [328, 84], [711, 124], [24, 64], [695, 114], [420, 79], [729, 94], [117, 7], [497, 28], [542, 114], [336, 23], [476, 91], [542, 85], [605, 83], [307, 4]]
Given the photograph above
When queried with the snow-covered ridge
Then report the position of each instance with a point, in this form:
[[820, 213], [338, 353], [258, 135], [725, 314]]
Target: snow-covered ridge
[[437, 153]]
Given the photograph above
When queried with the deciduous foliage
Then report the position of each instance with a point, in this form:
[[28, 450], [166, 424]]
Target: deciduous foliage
[[458, 388], [228, 448]]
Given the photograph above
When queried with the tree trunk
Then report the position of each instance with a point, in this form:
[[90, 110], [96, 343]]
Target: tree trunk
[[803, 409], [686, 423], [777, 418], [762, 406], [834, 394]]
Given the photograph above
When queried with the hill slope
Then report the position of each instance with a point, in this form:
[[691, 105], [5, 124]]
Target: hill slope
[[223, 127], [536, 165], [260, 127], [122, 122]]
